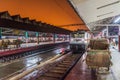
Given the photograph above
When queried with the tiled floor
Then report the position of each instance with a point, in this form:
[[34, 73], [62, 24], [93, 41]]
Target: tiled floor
[[82, 72]]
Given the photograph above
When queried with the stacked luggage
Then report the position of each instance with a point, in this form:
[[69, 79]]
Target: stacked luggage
[[98, 54], [98, 44]]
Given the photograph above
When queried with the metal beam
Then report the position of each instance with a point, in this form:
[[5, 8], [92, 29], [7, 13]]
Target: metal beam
[[30, 27], [105, 25], [69, 25]]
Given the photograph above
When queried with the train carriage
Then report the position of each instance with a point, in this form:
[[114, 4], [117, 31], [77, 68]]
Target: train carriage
[[78, 47]]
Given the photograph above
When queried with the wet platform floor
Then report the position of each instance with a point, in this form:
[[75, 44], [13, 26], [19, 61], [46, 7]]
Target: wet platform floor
[[82, 72], [27, 62]]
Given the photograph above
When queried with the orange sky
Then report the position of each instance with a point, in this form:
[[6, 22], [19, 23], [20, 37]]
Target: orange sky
[[55, 12]]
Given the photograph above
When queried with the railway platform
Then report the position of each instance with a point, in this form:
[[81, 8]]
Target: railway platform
[[82, 72]]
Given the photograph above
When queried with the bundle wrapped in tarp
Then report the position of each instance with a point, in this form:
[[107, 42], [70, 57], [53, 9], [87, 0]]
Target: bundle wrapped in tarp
[[98, 58], [99, 44]]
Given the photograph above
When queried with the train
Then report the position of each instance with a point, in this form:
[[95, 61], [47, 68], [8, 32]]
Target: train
[[78, 47]]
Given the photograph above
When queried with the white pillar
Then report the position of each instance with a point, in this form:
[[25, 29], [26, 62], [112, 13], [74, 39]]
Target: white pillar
[[107, 34], [119, 39]]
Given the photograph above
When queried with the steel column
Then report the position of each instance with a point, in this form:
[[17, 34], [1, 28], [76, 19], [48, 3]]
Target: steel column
[[0, 33]]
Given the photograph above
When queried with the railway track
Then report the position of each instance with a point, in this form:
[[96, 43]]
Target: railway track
[[61, 69], [56, 68]]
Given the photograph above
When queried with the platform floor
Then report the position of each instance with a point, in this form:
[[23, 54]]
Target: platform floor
[[82, 72], [24, 45], [41, 43]]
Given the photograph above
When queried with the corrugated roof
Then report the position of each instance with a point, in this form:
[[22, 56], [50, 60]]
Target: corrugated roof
[[54, 12]]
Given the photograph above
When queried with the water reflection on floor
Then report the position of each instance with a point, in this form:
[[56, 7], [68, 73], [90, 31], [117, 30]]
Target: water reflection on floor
[[27, 62], [81, 71]]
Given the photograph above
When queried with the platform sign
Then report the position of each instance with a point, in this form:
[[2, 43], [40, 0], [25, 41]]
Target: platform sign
[[26, 34], [37, 34]]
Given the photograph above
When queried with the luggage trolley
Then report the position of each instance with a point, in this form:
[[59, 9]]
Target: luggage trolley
[[98, 56]]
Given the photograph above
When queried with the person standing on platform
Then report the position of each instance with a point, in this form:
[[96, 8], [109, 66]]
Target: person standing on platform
[[113, 41], [116, 41]]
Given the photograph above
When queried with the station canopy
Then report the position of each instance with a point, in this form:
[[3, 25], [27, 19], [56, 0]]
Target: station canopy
[[59, 13], [98, 13]]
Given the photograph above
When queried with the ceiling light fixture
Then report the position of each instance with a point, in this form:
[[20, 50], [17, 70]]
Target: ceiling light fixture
[[117, 20]]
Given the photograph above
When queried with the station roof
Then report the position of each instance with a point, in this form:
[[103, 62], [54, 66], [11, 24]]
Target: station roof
[[98, 13], [59, 13]]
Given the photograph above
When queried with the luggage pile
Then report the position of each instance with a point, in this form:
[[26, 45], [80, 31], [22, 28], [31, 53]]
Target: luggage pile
[[98, 44], [99, 54]]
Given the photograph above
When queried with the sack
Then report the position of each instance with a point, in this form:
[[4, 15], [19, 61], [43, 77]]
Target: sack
[[98, 44], [98, 58]]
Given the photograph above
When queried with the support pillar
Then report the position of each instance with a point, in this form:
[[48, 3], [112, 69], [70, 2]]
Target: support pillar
[[119, 39], [54, 37], [44, 36], [37, 35], [69, 37], [26, 37], [0, 33], [119, 42], [107, 34]]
